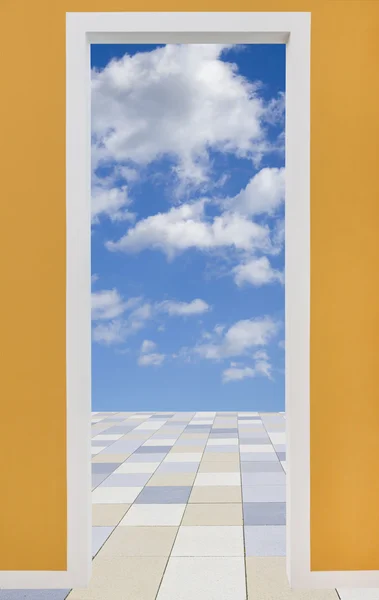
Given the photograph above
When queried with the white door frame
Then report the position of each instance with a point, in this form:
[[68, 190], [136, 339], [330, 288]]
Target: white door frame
[[82, 29]]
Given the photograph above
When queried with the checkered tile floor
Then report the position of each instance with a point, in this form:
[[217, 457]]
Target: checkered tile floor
[[187, 506]]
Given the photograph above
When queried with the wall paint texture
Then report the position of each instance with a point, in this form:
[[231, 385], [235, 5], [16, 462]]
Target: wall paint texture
[[344, 276]]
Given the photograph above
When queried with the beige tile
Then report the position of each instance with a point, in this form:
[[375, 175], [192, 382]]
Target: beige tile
[[171, 430], [231, 466], [213, 514], [215, 494], [106, 515], [139, 541], [172, 479], [110, 458], [267, 579], [182, 449], [125, 578], [217, 456]]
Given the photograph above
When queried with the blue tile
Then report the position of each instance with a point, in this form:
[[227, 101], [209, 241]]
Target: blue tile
[[100, 468], [164, 495], [99, 536], [265, 541], [153, 450], [34, 594], [261, 467], [264, 513]]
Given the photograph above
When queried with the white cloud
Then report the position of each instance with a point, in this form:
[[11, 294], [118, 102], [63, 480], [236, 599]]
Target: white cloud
[[111, 202], [239, 339], [187, 226], [261, 367], [112, 332], [147, 346], [179, 101], [116, 319], [173, 308], [257, 272], [146, 360], [108, 304], [236, 374], [148, 357], [113, 326], [219, 329], [94, 278], [263, 194]]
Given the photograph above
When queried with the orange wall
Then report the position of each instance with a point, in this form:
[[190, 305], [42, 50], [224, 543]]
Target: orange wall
[[344, 262]]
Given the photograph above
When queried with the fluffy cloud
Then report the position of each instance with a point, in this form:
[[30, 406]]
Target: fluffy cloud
[[239, 339], [257, 272], [108, 304], [178, 101], [116, 319], [148, 357], [146, 360], [111, 202], [187, 226], [236, 372], [263, 194], [172, 308], [147, 346]]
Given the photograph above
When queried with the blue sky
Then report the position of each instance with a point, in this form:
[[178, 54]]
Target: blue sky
[[187, 227]]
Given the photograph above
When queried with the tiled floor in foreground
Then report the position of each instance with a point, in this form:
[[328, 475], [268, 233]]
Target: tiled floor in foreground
[[185, 506]]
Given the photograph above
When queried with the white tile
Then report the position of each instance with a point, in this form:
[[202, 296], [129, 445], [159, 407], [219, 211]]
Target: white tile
[[97, 420], [207, 479], [204, 415], [249, 422], [97, 449], [209, 578], [256, 448], [277, 437], [138, 467], [201, 421], [223, 442], [209, 541], [248, 414], [140, 417], [154, 514], [160, 442], [149, 425], [108, 436], [284, 465], [359, 594], [115, 495], [183, 457]]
